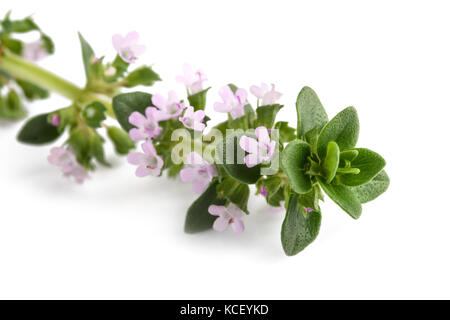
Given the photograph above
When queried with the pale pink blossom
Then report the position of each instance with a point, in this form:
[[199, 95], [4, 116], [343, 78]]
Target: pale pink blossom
[[55, 120], [198, 171], [193, 120], [261, 150], [265, 95], [232, 103], [149, 162], [34, 51], [263, 191], [128, 47], [171, 107], [192, 80], [229, 215], [66, 159], [146, 126]]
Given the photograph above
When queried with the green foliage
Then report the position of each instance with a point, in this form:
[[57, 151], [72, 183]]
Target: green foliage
[[11, 108], [294, 160], [310, 112], [266, 115], [38, 131], [331, 162], [88, 145], [125, 104], [88, 55], [32, 91], [372, 189], [300, 228], [232, 158], [94, 114], [275, 187], [198, 100], [198, 218], [344, 197], [342, 129], [144, 76], [121, 140], [235, 192], [369, 164], [286, 133]]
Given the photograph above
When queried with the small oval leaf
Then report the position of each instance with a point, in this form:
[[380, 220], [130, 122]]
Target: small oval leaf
[[369, 164], [125, 104], [293, 162], [331, 162], [38, 131], [343, 196]]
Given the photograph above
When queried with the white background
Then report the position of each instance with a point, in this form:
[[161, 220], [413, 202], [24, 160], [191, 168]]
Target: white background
[[122, 237]]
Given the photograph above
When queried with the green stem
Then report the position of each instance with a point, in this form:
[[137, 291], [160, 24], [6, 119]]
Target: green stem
[[18, 68]]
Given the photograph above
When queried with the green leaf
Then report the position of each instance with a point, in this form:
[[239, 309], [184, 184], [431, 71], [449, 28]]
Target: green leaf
[[228, 151], [342, 129], [94, 114], [87, 54], [287, 133], [310, 112], [198, 100], [125, 104], [23, 26], [373, 189], [96, 149], [294, 160], [198, 218], [266, 115], [235, 192], [121, 140], [369, 163], [344, 197], [11, 107], [15, 46], [38, 131], [349, 155], [274, 186], [31, 91], [299, 230], [120, 66], [331, 162], [144, 76], [311, 199], [47, 43]]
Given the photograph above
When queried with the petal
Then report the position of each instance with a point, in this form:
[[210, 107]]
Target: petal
[[263, 135], [142, 171], [199, 115], [237, 112], [222, 107], [138, 49], [238, 226], [251, 160], [200, 185], [137, 135], [187, 174], [220, 224], [136, 158], [257, 92], [226, 94], [148, 148], [117, 41], [248, 144], [159, 101], [242, 94], [234, 211], [216, 210], [199, 126], [137, 119], [132, 37]]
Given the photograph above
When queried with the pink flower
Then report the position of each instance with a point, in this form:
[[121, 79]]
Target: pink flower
[[34, 51], [308, 209], [199, 172], [192, 80], [66, 159], [263, 191], [55, 120], [146, 126], [234, 104], [266, 96], [127, 47], [260, 150], [170, 108], [193, 120], [149, 163], [227, 215]]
